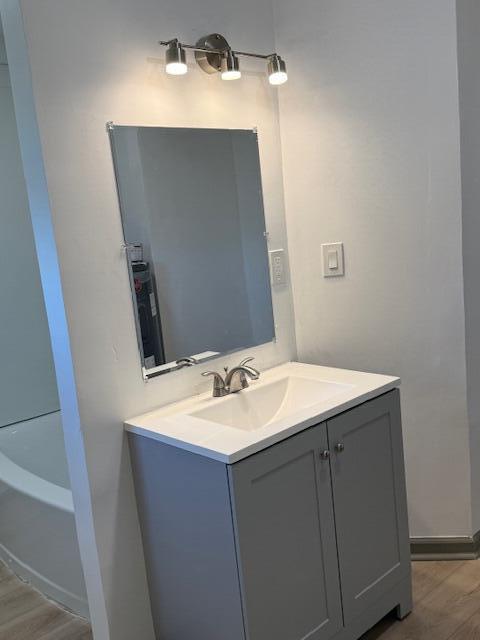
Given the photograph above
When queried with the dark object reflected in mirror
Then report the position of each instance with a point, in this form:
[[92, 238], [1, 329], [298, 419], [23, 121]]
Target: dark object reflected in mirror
[[194, 226]]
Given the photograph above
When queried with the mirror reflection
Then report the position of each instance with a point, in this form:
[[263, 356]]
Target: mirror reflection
[[194, 226]]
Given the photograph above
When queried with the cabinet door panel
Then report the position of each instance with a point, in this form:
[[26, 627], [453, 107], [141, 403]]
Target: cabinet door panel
[[369, 501], [286, 541]]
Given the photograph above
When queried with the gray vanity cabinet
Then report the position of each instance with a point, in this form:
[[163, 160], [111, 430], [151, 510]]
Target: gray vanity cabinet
[[370, 502], [305, 540], [283, 514]]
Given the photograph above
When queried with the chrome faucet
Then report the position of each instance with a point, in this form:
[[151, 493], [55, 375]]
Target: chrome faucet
[[235, 380]]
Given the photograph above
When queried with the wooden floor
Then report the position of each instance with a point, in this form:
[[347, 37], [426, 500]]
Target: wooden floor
[[26, 615], [446, 607]]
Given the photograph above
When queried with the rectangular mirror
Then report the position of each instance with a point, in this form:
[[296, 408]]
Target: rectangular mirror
[[194, 226]]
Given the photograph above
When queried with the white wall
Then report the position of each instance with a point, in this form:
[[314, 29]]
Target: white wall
[[370, 138], [27, 377], [92, 62], [468, 20]]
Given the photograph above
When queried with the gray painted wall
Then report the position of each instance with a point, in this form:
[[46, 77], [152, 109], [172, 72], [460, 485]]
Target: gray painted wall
[[468, 19], [27, 377], [372, 103]]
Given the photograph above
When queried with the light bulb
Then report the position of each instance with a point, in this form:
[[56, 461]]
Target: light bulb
[[175, 59], [279, 77], [230, 67], [176, 68], [231, 75], [277, 70]]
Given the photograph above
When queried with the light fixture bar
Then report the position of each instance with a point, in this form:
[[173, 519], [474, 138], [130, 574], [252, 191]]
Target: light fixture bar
[[260, 56], [193, 47], [214, 55]]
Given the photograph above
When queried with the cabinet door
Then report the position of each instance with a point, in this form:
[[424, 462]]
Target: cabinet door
[[369, 501], [285, 537]]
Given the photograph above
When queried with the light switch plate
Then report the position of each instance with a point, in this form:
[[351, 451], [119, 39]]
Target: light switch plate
[[278, 267], [333, 260]]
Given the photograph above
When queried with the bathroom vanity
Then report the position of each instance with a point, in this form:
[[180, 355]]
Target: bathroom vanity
[[278, 513]]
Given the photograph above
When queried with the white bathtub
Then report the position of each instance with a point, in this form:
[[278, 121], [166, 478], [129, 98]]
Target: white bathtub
[[37, 529]]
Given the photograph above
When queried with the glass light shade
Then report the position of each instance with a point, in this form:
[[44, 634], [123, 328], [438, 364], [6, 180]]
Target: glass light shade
[[176, 68], [175, 60], [230, 67], [277, 70]]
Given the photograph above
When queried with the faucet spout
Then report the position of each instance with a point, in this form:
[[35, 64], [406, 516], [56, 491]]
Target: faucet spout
[[236, 378]]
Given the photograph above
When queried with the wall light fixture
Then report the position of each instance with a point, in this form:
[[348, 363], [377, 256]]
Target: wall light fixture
[[175, 59], [214, 55]]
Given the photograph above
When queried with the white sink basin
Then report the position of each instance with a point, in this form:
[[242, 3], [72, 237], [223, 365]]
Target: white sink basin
[[286, 400], [259, 406]]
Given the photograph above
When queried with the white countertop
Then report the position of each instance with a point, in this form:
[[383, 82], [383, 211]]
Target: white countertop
[[174, 425]]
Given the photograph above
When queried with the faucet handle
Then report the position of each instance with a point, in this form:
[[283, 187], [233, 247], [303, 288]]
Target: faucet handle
[[219, 389], [212, 373], [247, 360]]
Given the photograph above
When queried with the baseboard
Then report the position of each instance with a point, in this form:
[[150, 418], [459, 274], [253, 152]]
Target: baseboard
[[462, 548], [61, 596]]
